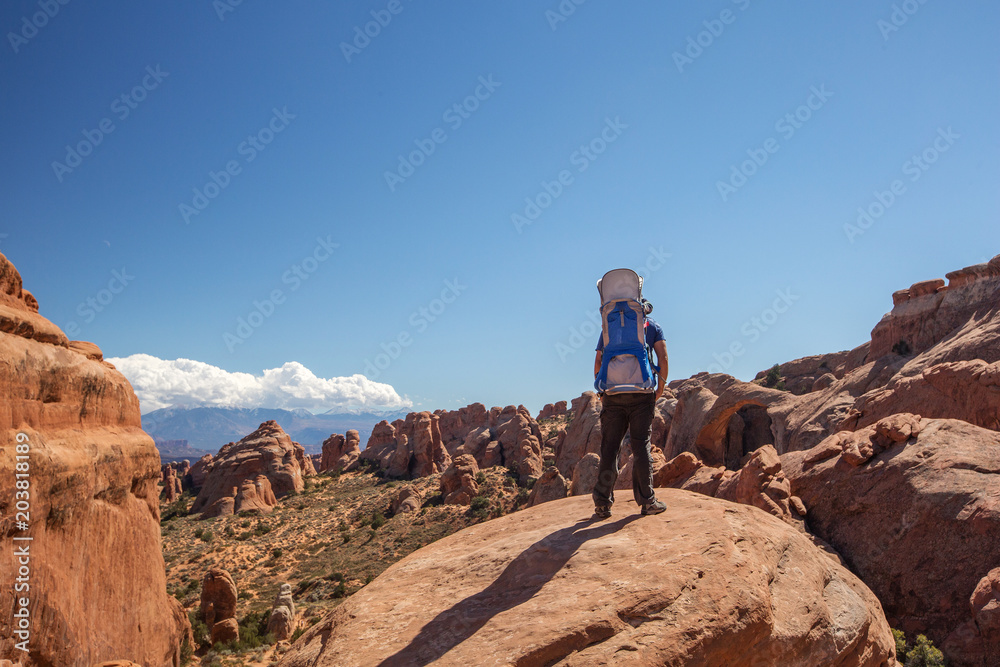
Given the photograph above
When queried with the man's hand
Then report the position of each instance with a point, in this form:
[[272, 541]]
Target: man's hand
[[659, 388]]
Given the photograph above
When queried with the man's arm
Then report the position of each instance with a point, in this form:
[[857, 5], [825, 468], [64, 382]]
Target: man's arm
[[597, 362], [660, 347]]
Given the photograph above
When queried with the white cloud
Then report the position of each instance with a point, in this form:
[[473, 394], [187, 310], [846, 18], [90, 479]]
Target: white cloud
[[161, 383]]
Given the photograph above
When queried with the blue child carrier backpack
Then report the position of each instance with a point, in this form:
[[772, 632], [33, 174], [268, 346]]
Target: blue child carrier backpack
[[625, 365]]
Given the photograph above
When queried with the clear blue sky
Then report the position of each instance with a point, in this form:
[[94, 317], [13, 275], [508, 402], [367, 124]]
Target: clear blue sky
[[553, 87]]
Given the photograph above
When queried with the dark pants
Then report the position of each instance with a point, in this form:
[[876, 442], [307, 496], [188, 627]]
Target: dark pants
[[620, 413]]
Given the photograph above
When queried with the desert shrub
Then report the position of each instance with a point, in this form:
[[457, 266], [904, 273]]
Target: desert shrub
[[900, 642], [206, 536], [924, 654], [378, 520], [202, 638], [479, 507], [340, 591], [253, 632], [276, 552], [480, 477], [902, 348], [262, 528], [298, 633], [773, 378]]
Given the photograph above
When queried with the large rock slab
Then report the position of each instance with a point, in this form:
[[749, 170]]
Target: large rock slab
[[914, 507], [97, 586], [705, 583]]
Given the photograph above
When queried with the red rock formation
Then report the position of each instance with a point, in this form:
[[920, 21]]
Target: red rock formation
[[583, 434], [759, 483], [218, 605], [199, 471], [551, 410], [340, 452], [924, 315], [914, 506], [741, 589], [407, 500], [96, 574], [424, 443], [252, 473], [458, 483], [550, 486], [171, 482], [985, 604]]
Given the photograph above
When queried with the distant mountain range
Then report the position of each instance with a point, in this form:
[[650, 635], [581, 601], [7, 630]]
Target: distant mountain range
[[189, 433]]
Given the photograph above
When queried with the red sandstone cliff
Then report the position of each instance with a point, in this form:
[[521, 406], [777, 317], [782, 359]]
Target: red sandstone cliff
[[97, 589]]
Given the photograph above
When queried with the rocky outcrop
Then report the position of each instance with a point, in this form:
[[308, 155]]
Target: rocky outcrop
[[553, 410], [341, 452], [582, 435], [171, 482], [550, 486], [741, 589], [95, 564], [252, 473], [966, 390], [218, 605], [281, 622], [458, 483], [423, 443], [198, 472], [928, 312], [985, 603], [585, 475], [914, 506], [407, 500], [760, 482]]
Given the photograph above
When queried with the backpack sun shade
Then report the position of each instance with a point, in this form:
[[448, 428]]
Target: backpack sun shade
[[625, 365]]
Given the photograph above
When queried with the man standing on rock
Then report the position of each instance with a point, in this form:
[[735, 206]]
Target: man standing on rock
[[632, 412]]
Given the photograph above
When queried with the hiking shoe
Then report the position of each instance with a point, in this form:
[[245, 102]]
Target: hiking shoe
[[654, 507], [602, 512]]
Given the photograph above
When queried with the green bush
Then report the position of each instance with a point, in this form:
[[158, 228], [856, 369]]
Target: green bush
[[774, 379], [378, 520], [480, 477], [921, 654], [202, 638], [900, 642], [298, 633], [206, 536], [924, 654], [276, 553]]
